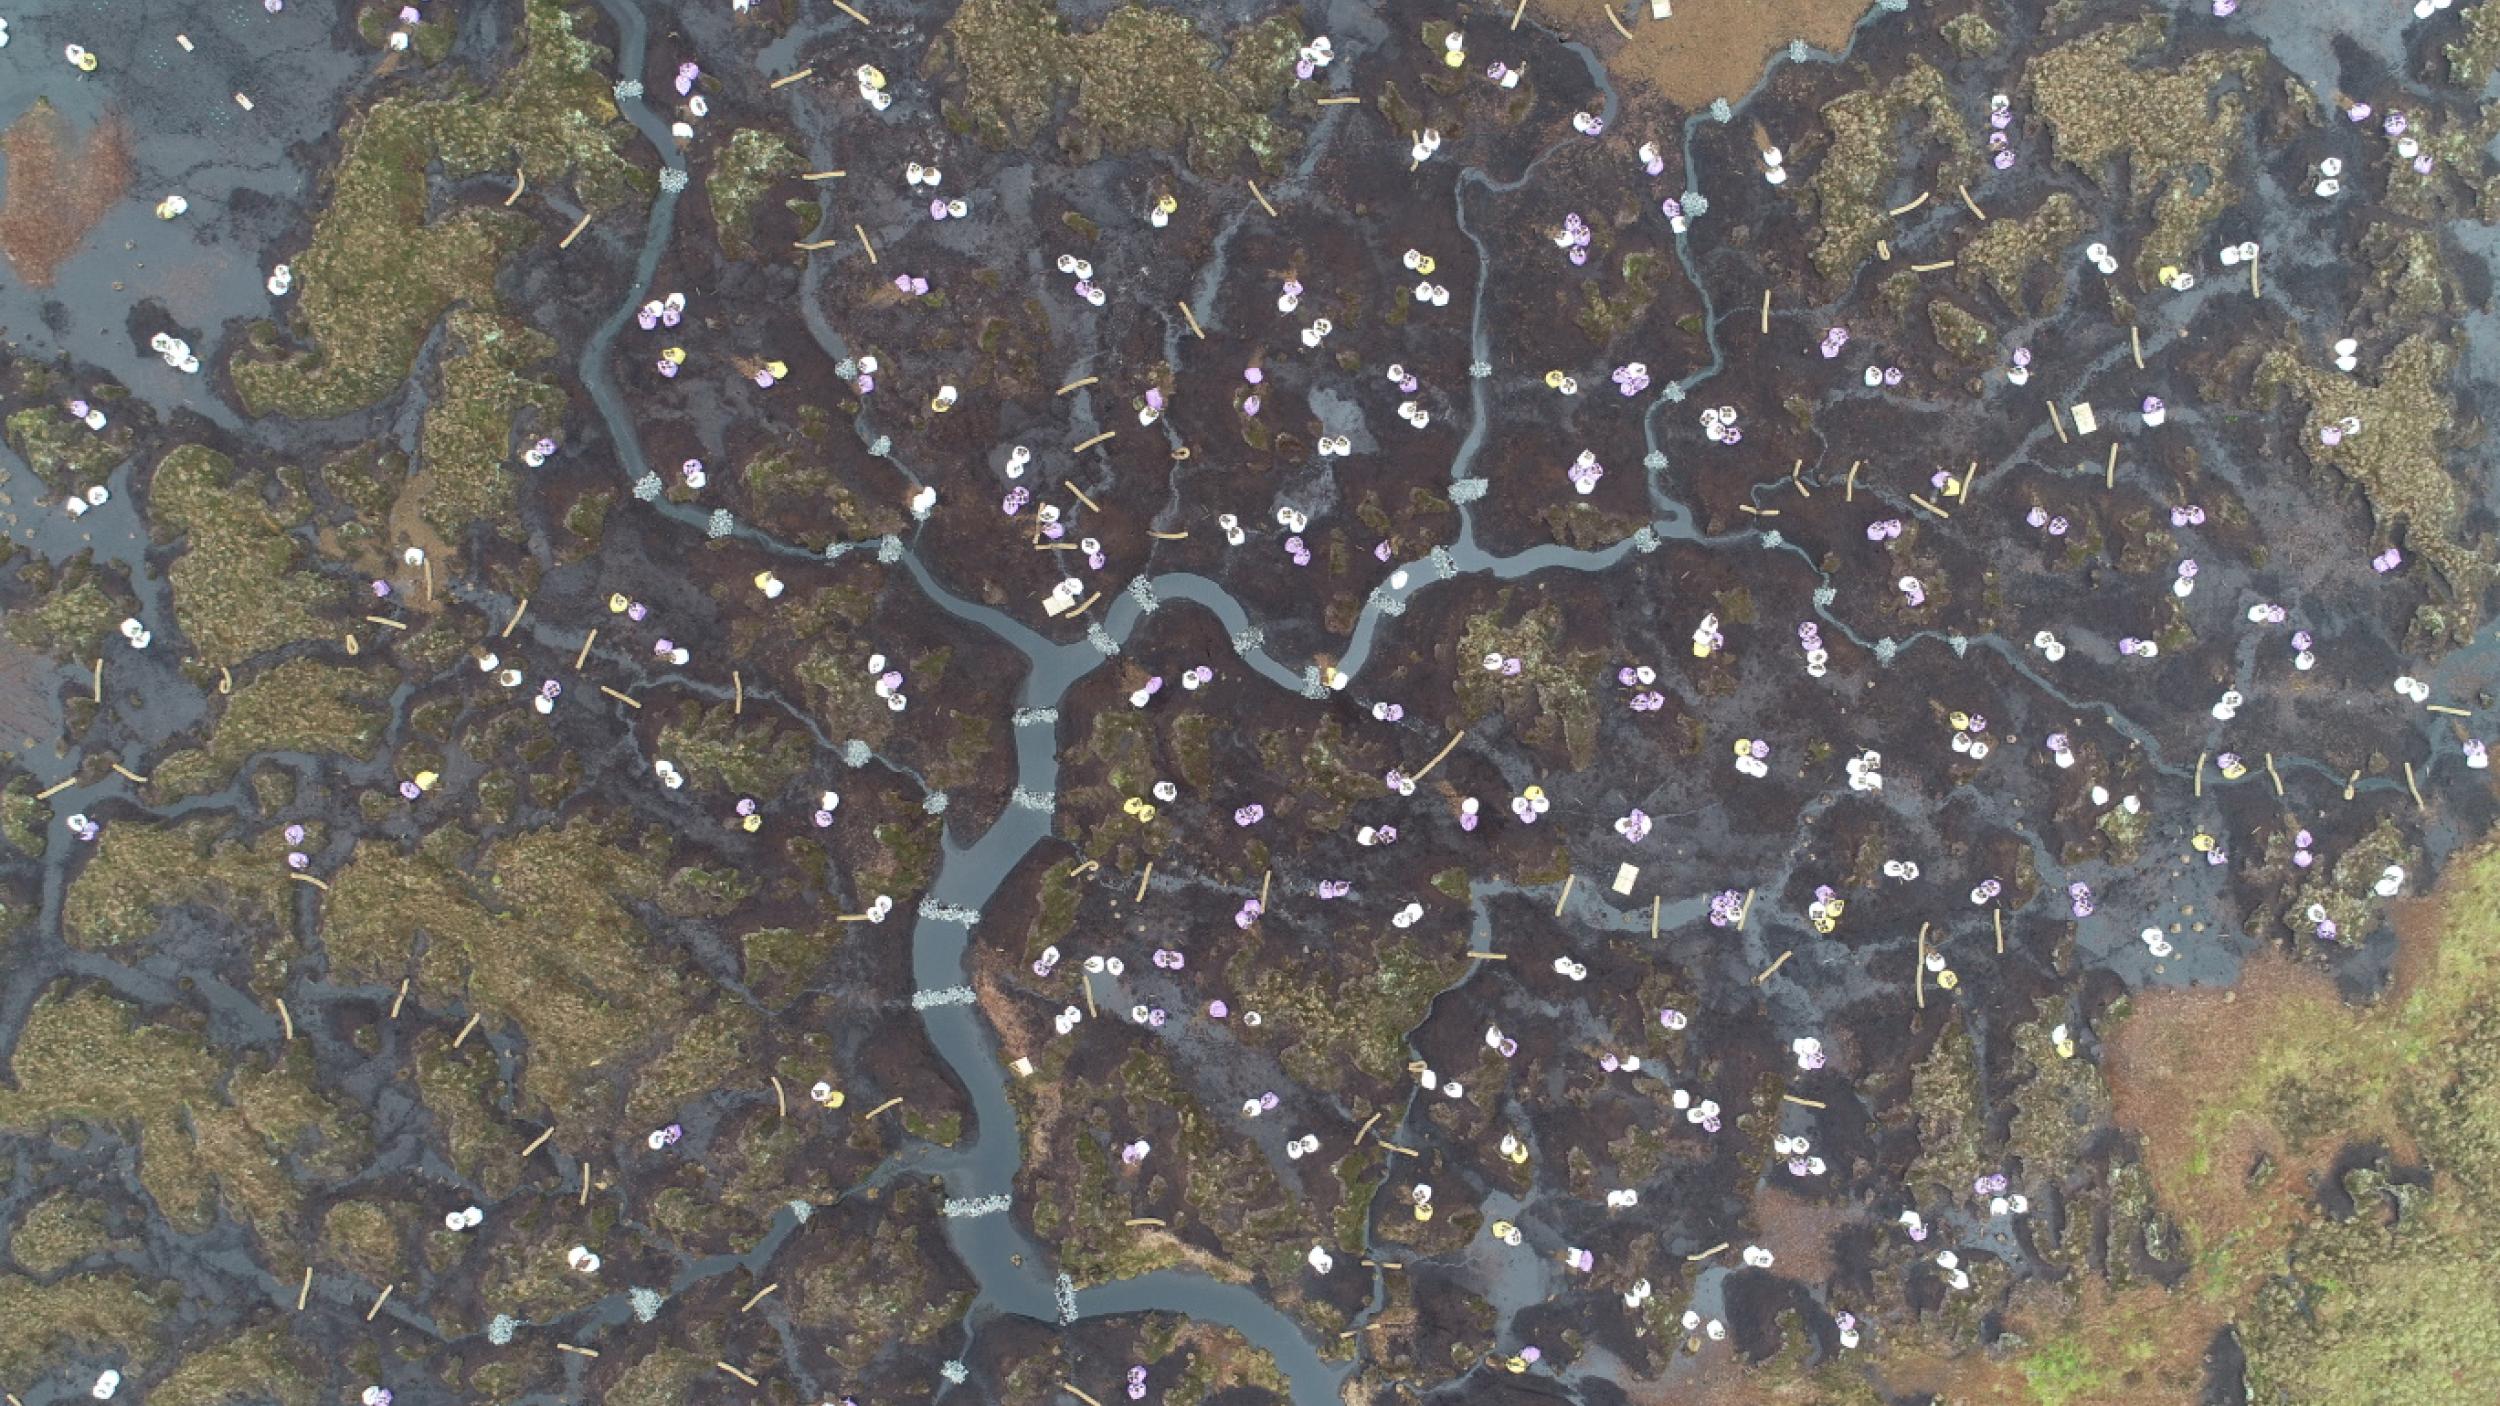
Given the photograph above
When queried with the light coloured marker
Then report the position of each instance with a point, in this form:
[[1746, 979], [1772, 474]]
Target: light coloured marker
[[520, 182], [1105, 435], [1931, 268], [576, 232], [400, 999], [584, 656], [1446, 749], [750, 1381], [1080, 497], [1198, 331], [1802, 1102], [1776, 964], [302, 1296], [2059, 421], [1899, 210], [862, 232], [128, 775], [309, 879], [286, 1022], [823, 175], [1254, 194], [2418, 803], [383, 1298], [1143, 880], [760, 1296], [517, 612], [854, 14], [619, 697], [1073, 385], [1568, 881], [474, 1018], [787, 79], [1973, 204], [2278, 776], [539, 1141]]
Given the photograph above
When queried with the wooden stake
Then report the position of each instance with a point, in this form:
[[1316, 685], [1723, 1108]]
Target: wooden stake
[[880, 1108], [1743, 910], [1446, 749], [863, 242], [576, 1351], [96, 691], [823, 175], [1367, 1127], [2135, 339], [2200, 772], [2278, 776], [1568, 880], [383, 1298], [1851, 493], [1072, 385], [737, 693], [128, 775], [1254, 194], [1167, 536], [812, 244], [750, 1381], [1794, 470], [1143, 880], [1696, 1259], [1088, 605], [428, 566], [1144, 1223], [1080, 497], [1613, 18], [56, 788], [1802, 1102], [584, 657], [2109, 471], [1766, 312], [1922, 966], [1515, 14], [1998, 914], [1930, 506], [2349, 782], [1973, 204], [2443, 708], [302, 1295], [474, 1018], [1085, 868], [1264, 876], [1488, 956], [1931, 268], [2416, 790], [1338, 101], [789, 78], [2059, 421], [1193, 322], [286, 1022], [576, 232], [1088, 982], [1072, 1389], [1106, 434], [760, 1296], [400, 999], [2256, 285], [517, 612], [1899, 210], [1776, 964], [385, 622], [1654, 901], [1399, 1149], [619, 697], [584, 1198], [854, 14], [539, 1141]]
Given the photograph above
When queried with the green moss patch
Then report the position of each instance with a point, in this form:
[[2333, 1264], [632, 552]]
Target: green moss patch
[[299, 706], [241, 585], [464, 448], [748, 165]]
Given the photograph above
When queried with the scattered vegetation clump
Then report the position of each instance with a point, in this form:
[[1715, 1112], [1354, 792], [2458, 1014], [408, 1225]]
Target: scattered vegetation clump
[[465, 449], [301, 705], [2398, 458], [2178, 127], [1141, 78], [1549, 699], [242, 584], [748, 166], [379, 273], [1851, 211], [2007, 249]]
